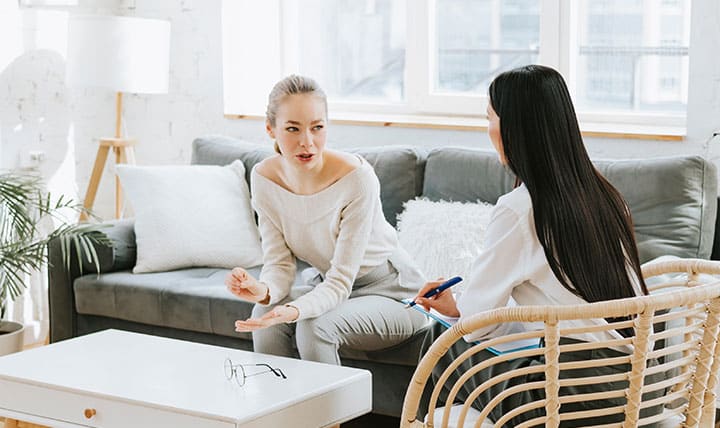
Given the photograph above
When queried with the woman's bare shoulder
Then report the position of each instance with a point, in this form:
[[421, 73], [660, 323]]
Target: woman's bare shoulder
[[343, 162], [269, 167]]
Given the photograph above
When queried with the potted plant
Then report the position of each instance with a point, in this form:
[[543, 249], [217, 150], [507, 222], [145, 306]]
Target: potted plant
[[24, 205]]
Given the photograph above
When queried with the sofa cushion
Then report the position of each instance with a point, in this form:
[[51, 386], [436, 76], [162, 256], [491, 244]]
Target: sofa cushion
[[399, 169], [190, 299], [194, 300], [672, 200], [221, 150], [465, 175]]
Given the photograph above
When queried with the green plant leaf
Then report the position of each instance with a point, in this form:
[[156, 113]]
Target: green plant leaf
[[23, 249]]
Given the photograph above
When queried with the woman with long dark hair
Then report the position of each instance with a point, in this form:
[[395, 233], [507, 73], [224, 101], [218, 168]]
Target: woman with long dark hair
[[563, 236]]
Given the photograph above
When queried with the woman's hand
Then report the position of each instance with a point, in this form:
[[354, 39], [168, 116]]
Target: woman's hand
[[443, 302], [279, 314], [245, 286]]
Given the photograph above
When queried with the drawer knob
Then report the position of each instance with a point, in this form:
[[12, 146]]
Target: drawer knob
[[89, 413]]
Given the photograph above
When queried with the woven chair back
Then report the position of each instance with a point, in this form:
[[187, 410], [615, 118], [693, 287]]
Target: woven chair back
[[673, 340]]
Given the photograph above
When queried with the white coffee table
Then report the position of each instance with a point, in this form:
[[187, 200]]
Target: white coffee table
[[120, 379]]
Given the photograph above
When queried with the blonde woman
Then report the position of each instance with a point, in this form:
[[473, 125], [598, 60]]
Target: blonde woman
[[323, 207]]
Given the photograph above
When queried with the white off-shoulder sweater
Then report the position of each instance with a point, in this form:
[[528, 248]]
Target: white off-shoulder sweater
[[340, 231]]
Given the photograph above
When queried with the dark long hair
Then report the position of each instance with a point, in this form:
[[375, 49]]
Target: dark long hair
[[581, 220]]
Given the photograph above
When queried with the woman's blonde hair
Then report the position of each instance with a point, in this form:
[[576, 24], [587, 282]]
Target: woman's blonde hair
[[291, 85]]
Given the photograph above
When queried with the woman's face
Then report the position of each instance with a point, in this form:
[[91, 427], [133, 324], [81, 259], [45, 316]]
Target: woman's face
[[494, 133], [299, 129]]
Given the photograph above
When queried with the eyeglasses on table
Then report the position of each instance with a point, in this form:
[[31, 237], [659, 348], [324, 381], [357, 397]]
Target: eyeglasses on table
[[240, 374]]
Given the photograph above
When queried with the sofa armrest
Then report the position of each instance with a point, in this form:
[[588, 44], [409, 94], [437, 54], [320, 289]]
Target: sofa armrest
[[61, 295], [716, 238]]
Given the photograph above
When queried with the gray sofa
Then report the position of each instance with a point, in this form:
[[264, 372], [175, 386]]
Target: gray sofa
[[673, 201]]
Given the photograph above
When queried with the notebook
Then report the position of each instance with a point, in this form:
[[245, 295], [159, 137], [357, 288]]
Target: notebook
[[503, 348]]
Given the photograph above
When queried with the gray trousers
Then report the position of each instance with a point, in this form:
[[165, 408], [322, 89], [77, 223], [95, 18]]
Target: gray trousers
[[364, 322], [516, 400]]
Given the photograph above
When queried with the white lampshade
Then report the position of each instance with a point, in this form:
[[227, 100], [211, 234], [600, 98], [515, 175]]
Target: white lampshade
[[124, 54]]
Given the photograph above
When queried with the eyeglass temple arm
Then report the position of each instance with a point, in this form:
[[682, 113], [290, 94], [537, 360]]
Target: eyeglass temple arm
[[276, 372]]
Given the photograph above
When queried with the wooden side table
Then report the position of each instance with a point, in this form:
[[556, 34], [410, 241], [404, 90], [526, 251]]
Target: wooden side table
[[124, 150]]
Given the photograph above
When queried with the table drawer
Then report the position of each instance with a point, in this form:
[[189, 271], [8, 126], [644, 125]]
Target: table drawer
[[71, 407]]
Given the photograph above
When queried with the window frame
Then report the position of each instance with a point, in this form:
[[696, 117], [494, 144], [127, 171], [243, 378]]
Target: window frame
[[555, 47]]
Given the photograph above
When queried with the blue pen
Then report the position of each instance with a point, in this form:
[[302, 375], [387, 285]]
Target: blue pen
[[442, 287]]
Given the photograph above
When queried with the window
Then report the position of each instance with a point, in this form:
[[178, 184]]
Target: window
[[476, 39], [359, 53], [631, 58], [624, 60]]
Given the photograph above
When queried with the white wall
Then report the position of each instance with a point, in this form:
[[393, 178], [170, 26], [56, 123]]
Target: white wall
[[39, 112]]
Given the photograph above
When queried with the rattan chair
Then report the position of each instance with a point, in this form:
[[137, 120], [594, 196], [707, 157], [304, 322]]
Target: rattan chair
[[676, 328]]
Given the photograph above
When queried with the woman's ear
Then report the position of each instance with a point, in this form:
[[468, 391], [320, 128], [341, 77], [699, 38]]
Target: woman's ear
[[269, 130]]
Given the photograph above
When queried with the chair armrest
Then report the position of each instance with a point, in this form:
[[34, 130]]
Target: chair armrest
[[61, 294]]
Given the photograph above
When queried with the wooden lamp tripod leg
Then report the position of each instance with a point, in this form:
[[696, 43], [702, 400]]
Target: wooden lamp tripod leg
[[124, 153], [100, 159], [119, 157]]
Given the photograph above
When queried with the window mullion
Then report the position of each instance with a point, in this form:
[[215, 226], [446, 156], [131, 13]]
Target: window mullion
[[419, 45], [569, 13], [289, 30], [550, 34]]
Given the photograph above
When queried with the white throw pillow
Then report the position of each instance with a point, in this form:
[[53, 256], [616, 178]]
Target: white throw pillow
[[444, 238], [191, 215]]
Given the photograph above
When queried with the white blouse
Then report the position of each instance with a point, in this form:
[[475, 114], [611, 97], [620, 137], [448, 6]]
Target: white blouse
[[513, 264]]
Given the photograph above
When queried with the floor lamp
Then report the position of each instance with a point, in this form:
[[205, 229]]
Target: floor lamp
[[125, 55]]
